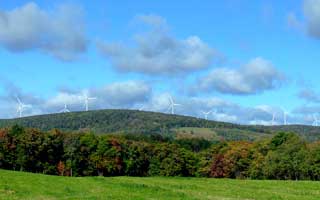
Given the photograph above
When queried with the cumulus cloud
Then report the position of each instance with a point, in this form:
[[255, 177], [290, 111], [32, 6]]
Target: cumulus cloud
[[305, 114], [9, 102], [157, 52], [63, 98], [307, 109], [311, 22], [115, 95], [309, 95], [139, 95], [123, 94], [152, 20], [312, 13], [221, 109], [255, 77], [59, 33]]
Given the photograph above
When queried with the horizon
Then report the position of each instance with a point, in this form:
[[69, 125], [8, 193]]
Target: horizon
[[260, 63]]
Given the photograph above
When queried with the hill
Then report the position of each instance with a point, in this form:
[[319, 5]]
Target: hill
[[20, 185], [132, 121]]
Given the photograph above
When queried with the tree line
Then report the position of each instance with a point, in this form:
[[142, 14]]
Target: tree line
[[285, 156]]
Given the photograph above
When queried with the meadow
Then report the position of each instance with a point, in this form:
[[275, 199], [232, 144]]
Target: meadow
[[22, 185]]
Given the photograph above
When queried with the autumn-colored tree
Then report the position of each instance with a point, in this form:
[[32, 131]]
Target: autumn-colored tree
[[218, 167], [61, 168], [284, 156], [233, 162], [108, 158]]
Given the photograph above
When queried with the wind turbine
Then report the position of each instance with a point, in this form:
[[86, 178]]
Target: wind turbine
[[65, 109], [86, 99], [273, 119], [316, 120], [141, 108], [206, 114], [21, 107], [172, 104], [285, 115], [214, 113]]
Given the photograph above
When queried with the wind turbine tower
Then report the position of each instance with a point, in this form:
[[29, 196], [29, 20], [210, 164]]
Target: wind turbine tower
[[172, 104], [273, 119], [21, 107], [65, 109], [87, 99], [206, 114], [285, 116], [316, 120]]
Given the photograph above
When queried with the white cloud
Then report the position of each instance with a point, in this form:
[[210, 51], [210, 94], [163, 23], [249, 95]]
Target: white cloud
[[62, 98], [312, 13], [311, 22], [122, 94], [136, 94], [255, 77], [309, 95], [152, 20], [59, 32], [157, 53]]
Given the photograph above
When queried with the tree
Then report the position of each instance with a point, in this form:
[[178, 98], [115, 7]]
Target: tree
[[313, 161], [207, 158], [71, 146], [137, 158], [286, 159], [108, 158], [233, 162], [171, 160], [29, 150]]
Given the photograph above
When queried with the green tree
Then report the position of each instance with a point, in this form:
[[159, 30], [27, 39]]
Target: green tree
[[137, 158], [172, 160], [286, 160]]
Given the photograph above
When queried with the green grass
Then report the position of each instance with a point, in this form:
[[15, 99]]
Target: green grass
[[194, 132], [19, 185], [216, 134]]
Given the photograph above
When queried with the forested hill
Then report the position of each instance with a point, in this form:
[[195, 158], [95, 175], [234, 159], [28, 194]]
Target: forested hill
[[132, 121], [109, 121]]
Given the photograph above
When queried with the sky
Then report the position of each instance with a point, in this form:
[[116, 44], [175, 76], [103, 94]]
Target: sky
[[246, 61]]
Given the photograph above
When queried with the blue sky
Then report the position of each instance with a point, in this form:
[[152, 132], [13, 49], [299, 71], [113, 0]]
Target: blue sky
[[246, 60]]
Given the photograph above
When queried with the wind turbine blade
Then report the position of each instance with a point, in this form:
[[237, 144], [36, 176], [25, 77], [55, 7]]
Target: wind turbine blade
[[18, 100], [169, 108], [207, 113], [170, 99]]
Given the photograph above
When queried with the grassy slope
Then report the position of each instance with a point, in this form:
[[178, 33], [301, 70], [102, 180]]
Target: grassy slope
[[229, 134], [19, 185]]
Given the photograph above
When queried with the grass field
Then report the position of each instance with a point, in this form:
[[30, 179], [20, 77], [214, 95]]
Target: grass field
[[216, 134], [19, 185]]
